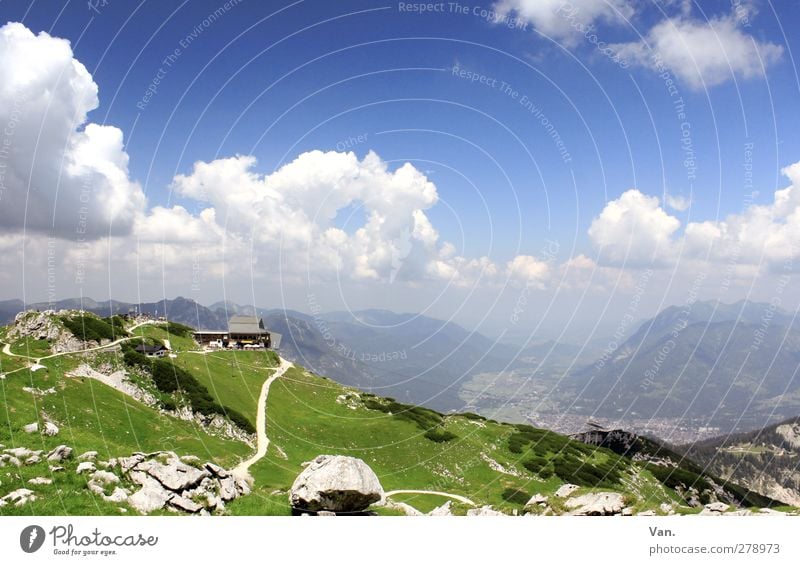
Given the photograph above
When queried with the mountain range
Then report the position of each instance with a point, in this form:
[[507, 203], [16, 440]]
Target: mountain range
[[709, 365]]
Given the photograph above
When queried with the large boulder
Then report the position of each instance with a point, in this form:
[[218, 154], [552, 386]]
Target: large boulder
[[335, 483], [596, 504]]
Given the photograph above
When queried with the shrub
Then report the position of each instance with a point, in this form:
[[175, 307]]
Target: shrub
[[516, 496], [439, 436], [91, 328], [179, 330]]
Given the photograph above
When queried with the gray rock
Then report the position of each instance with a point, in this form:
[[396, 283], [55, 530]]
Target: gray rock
[[10, 459], [19, 497], [537, 499], [40, 481], [128, 463], [152, 496], [646, 513], [566, 490], [31, 428], [714, 509], [227, 489], [216, 470], [336, 483], [33, 460], [100, 480], [50, 429], [88, 456], [596, 504], [443, 510], [60, 453], [627, 511], [174, 474], [86, 467], [185, 504], [484, 511], [118, 495], [21, 452]]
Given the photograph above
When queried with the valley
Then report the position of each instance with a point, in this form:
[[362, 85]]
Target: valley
[[461, 462]]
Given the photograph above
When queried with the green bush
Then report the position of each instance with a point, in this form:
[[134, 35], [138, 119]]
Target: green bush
[[516, 496], [179, 330], [439, 435], [171, 379], [91, 328]]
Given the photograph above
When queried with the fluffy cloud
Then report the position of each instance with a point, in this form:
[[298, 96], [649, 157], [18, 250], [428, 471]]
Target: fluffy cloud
[[57, 173], [702, 53], [634, 230], [562, 20]]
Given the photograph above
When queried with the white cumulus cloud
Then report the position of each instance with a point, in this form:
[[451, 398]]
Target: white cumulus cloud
[[58, 173], [634, 229], [702, 53]]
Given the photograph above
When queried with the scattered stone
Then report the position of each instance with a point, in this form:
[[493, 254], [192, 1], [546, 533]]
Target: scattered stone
[[166, 480], [443, 510], [185, 504], [627, 511], [484, 511], [31, 428], [771, 512], [88, 456], [60, 453], [150, 497], [537, 499], [10, 459], [19, 497], [646, 513], [40, 481], [86, 467], [50, 429], [33, 460], [596, 504], [174, 474], [21, 452], [714, 509], [56, 468], [100, 480], [566, 490], [336, 483], [192, 459], [326, 513]]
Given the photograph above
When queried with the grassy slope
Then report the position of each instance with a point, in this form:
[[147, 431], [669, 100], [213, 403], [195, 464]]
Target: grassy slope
[[91, 416], [304, 420]]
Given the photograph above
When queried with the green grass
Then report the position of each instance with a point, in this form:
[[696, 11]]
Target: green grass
[[30, 347], [233, 378], [304, 420], [422, 502], [179, 339], [91, 416], [409, 448]]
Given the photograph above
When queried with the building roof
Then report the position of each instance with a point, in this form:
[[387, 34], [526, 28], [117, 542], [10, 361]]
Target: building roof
[[246, 325], [150, 348]]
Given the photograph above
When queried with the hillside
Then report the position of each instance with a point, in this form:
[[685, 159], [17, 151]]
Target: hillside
[[766, 460], [721, 368], [409, 448]]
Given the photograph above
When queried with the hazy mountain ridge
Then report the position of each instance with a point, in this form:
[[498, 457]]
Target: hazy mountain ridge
[[717, 364]]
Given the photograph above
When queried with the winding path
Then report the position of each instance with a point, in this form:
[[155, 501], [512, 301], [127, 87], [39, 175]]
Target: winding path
[[457, 497], [7, 346], [242, 470]]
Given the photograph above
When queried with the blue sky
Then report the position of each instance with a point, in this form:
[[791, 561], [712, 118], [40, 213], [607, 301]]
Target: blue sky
[[275, 80]]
